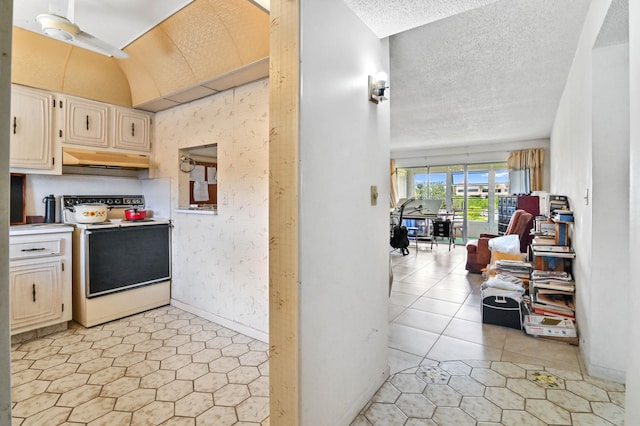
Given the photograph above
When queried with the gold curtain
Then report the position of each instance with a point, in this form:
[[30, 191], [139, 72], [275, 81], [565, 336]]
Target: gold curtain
[[531, 159], [394, 183]]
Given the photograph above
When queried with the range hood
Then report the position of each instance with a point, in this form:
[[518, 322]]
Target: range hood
[[94, 162]]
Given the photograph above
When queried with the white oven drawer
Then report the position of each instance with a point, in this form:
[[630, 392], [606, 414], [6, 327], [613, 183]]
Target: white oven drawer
[[39, 248]]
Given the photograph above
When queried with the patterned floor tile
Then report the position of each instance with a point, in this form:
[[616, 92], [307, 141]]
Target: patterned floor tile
[[170, 367], [79, 395], [92, 409], [193, 404], [231, 395]]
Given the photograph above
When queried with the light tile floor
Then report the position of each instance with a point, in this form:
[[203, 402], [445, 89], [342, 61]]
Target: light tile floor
[[447, 368], [169, 367], [161, 367]]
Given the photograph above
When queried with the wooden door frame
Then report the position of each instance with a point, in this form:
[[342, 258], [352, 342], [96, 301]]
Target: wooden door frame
[[284, 102]]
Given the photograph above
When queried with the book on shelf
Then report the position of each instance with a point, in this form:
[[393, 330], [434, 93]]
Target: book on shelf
[[543, 240], [557, 202], [545, 251], [562, 301], [554, 303], [546, 312], [562, 216], [515, 263], [514, 268], [552, 291], [554, 248], [557, 275], [565, 286], [547, 227]]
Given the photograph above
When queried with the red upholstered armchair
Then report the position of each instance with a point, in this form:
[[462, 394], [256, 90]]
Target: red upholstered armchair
[[478, 253]]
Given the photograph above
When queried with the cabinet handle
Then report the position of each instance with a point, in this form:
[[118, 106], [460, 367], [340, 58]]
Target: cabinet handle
[[87, 122], [15, 125], [33, 291], [133, 129], [34, 249]]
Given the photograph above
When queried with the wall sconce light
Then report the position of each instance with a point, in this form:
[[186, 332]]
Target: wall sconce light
[[377, 86]]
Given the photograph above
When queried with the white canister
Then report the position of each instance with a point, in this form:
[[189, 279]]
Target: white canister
[[90, 213]]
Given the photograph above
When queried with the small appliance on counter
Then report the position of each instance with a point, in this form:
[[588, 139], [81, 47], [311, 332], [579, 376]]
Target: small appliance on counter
[[49, 209]]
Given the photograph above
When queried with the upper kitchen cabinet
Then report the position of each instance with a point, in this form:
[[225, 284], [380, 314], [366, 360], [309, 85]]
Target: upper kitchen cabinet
[[84, 122], [99, 125], [31, 149], [131, 129]]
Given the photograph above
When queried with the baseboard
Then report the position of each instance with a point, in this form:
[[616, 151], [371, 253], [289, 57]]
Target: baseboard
[[618, 376], [232, 325], [365, 397]]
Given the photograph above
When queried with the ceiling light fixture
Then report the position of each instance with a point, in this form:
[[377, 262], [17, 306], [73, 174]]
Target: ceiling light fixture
[[377, 86]]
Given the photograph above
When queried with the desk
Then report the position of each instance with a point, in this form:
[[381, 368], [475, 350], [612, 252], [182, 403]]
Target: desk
[[421, 229]]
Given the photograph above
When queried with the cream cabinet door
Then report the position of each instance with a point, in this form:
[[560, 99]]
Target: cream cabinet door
[[85, 122], [30, 129], [36, 292], [132, 130]]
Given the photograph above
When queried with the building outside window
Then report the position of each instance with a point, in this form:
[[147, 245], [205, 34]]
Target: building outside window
[[471, 189]]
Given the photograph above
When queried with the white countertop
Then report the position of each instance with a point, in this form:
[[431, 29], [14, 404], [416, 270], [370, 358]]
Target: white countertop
[[39, 228]]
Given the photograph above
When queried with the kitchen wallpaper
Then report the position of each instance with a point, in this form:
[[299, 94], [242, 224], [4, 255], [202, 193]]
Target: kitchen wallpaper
[[220, 262]]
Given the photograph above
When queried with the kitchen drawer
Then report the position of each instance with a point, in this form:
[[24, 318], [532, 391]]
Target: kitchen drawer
[[34, 248]]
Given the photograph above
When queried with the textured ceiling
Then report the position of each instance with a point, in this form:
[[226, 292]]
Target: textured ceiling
[[492, 74], [615, 28], [461, 72], [386, 17]]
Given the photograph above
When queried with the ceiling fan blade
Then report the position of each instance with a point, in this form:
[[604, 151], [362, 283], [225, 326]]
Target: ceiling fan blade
[[57, 27], [86, 40]]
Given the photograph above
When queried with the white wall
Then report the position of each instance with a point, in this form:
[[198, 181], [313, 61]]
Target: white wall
[[632, 408], [5, 341], [39, 186], [155, 191], [344, 256], [220, 263], [572, 157], [610, 207]]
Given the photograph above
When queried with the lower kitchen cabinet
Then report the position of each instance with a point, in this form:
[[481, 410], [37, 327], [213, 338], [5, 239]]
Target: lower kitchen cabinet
[[39, 277], [36, 292]]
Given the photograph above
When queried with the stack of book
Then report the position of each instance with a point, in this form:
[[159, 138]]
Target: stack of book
[[552, 294], [552, 257], [558, 202], [563, 216], [514, 268], [543, 239]]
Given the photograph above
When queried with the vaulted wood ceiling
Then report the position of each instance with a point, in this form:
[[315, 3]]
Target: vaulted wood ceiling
[[188, 52]]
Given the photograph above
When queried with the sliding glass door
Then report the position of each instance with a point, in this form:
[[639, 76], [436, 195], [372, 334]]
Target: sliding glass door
[[468, 192]]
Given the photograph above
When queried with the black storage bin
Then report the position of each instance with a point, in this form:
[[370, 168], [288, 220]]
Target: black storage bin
[[502, 310], [442, 228]]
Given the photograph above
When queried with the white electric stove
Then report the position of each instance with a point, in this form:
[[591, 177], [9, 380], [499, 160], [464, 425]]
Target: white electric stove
[[120, 267]]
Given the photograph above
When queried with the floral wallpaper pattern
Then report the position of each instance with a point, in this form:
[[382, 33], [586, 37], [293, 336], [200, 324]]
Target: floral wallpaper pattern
[[220, 262]]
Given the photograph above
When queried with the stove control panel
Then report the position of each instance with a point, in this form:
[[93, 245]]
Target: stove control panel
[[121, 201]]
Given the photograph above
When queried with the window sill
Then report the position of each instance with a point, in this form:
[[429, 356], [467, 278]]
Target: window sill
[[186, 210]]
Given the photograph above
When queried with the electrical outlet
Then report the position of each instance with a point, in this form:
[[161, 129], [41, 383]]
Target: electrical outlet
[[374, 195]]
